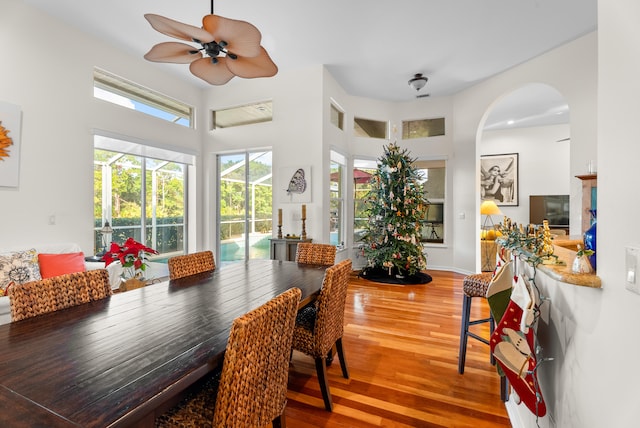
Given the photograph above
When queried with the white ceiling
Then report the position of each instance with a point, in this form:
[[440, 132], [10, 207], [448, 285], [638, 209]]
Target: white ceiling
[[371, 47]]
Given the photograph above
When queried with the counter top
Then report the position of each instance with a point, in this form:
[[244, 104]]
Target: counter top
[[563, 273], [570, 242]]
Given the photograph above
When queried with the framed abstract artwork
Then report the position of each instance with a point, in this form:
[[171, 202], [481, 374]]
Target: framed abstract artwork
[[499, 179]]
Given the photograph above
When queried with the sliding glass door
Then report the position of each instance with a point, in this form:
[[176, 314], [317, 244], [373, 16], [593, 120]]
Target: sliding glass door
[[142, 198], [244, 206]]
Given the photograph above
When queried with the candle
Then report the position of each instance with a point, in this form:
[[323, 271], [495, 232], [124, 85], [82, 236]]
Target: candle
[[279, 216], [304, 211]]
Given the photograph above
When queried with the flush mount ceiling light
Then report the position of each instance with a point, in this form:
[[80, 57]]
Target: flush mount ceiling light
[[418, 81], [228, 48]]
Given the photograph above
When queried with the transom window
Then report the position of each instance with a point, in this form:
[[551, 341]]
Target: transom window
[[243, 115], [117, 90], [337, 117], [422, 128], [370, 128]]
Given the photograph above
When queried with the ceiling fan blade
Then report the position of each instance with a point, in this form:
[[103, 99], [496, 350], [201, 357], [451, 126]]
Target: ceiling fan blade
[[174, 52], [178, 29], [243, 39], [214, 74], [258, 66]]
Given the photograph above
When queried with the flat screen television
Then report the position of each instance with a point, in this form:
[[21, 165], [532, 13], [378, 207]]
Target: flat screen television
[[554, 208]]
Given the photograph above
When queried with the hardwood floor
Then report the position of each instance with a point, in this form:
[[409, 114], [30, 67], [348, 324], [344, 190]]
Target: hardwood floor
[[401, 345]]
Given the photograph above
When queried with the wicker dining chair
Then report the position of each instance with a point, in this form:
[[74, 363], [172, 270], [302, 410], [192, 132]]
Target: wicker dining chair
[[191, 264], [320, 326], [59, 292], [251, 390], [316, 254]]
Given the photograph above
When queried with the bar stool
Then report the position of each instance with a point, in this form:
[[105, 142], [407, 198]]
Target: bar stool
[[473, 286]]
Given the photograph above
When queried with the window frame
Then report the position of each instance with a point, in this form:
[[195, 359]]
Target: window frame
[[340, 160], [361, 132], [407, 133], [248, 213], [430, 226], [336, 115], [122, 148], [265, 109], [126, 93]]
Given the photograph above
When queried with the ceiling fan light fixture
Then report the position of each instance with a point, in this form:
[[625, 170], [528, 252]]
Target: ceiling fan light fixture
[[228, 48], [418, 81]]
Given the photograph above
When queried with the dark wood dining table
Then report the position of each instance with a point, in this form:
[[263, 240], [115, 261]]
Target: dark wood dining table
[[111, 363]]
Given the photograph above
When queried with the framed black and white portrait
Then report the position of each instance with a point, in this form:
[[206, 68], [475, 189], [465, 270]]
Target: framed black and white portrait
[[499, 179]]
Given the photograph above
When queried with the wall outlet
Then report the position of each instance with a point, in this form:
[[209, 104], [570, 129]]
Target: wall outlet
[[52, 219], [631, 264]]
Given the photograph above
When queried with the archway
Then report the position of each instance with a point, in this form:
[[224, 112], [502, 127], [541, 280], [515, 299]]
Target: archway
[[528, 131]]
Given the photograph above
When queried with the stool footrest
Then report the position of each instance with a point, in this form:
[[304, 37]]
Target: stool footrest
[[474, 322], [475, 336]]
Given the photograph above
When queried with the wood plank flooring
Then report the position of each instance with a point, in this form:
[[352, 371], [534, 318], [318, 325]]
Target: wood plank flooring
[[401, 345]]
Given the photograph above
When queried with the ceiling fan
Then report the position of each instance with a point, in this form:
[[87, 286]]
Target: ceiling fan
[[228, 48]]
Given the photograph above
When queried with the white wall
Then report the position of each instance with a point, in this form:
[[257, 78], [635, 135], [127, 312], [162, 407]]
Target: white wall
[[597, 355], [298, 135], [294, 135], [441, 147], [49, 74], [543, 163], [572, 70], [609, 383]]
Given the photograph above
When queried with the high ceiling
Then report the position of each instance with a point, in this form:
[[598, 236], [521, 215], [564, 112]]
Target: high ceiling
[[371, 47]]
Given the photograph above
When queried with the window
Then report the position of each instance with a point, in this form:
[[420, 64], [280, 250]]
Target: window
[[244, 205], [140, 191], [115, 89], [243, 115], [434, 181], [336, 199], [370, 128], [337, 117], [422, 128], [363, 169]]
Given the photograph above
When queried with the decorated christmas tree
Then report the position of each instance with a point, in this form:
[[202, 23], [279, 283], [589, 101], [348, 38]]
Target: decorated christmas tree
[[396, 206]]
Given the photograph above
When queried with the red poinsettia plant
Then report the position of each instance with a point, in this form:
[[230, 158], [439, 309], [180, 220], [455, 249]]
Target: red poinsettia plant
[[130, 254]]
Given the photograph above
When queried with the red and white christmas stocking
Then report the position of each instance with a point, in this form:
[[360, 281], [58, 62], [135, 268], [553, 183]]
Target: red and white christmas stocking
[[512, 344]]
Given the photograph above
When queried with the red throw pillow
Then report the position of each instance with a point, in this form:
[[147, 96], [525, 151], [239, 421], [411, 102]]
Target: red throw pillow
[[60, 264]]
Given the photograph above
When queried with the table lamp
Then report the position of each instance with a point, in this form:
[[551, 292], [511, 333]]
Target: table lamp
[[487, 209]]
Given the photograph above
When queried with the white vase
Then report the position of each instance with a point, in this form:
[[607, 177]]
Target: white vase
[[581, 264], [129, 272]]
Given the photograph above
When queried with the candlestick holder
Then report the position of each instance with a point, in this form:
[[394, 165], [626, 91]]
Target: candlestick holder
[[279, 231], [303, 235]]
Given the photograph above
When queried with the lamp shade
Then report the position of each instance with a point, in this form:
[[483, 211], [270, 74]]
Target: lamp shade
[[106, 228], [489, 208], [418, 81]]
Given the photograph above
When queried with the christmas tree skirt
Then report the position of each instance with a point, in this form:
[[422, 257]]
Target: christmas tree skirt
[[382, 275]]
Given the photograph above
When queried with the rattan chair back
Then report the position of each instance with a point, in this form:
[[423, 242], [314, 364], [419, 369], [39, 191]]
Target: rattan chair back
[[316, 254], [259, 347], [252, 387], [58, 292], [191, 264], [329, 322]]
